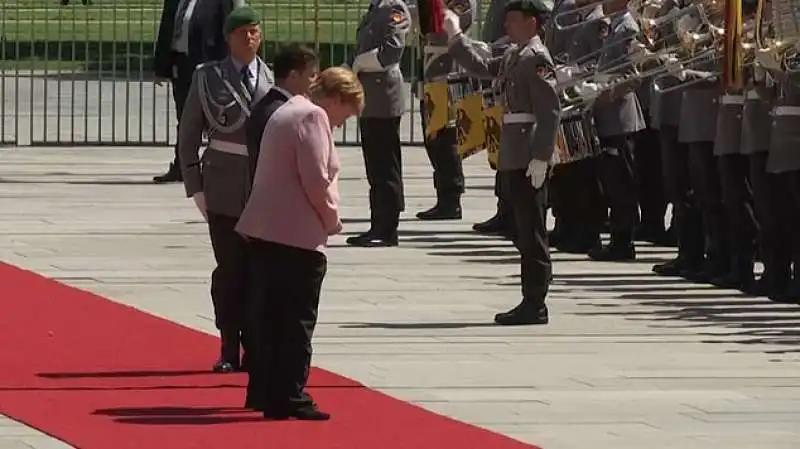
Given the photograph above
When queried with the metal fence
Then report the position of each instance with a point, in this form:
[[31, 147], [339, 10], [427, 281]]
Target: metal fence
[[78, 72]]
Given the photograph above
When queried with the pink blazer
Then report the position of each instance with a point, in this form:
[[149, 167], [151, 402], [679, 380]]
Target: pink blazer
[[295, 195]]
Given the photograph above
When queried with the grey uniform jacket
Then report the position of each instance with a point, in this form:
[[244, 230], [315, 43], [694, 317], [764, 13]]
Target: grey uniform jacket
[[623, 114], [527, 78], [212, 109], [586, 41], [384, 27], [700, 104], [558, 41], [784, 151], [756, 113]]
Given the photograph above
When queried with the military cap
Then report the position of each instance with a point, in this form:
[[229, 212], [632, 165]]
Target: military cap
[[239, 17], [533, 7]]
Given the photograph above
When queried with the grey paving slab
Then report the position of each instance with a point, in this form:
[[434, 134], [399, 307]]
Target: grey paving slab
[[629, 361]]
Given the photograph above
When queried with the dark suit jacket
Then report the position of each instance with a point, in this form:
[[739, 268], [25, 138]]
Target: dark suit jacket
[[259, 115], [206, 39]]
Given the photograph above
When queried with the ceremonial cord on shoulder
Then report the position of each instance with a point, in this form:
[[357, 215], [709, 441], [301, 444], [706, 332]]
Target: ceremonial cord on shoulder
[[207, 100]]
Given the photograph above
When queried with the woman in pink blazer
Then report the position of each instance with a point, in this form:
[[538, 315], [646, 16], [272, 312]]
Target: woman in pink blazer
[[292, 209]]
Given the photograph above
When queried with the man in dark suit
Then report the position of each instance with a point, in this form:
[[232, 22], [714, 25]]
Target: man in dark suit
[[295, 67], [190, 34]]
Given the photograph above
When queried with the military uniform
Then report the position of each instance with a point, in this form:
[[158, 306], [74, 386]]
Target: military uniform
[[381, 39], [577, 202], [784, 164], [756, 129], [526, 74], [218, 105], [698, 129], [665, 116], [617, 120], [737, 196], [442, 148]]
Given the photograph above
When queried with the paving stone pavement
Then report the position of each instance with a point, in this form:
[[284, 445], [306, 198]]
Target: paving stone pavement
[[630, 361]]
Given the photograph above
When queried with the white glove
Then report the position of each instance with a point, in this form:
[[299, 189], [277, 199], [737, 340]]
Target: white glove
[[482, 48], [200, 201], [452, 24], [589, 91], [537, 171]]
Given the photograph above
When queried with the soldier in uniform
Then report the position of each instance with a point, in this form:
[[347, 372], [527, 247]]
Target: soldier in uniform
[[442, 148], [737, 196], [493, 32], [219, 103], [381, 39], [756, 128], [618, 116], [532, 108], [665, 110], [698, 129], [578, 204], [783, 165]]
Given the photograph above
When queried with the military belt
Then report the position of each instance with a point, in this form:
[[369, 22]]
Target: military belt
[[518, 117], [753, 95], [228, 147], [382, 69], [786, 110], [732, 99]]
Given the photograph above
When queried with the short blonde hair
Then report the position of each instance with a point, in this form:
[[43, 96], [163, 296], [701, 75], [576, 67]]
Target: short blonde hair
[[339, 82]]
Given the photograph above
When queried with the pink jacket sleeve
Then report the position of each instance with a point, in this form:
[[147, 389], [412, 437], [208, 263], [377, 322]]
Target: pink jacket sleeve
[[313, 159]]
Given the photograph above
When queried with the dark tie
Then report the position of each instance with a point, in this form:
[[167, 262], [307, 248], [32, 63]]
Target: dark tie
[[247, 79]]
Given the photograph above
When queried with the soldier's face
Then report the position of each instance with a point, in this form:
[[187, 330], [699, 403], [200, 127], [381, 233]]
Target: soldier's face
[[245, 39], [520, 27]]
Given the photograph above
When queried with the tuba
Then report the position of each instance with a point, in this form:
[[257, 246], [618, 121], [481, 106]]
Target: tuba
[[777, 45]]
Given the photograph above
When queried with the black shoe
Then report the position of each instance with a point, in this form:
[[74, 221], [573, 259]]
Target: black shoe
[[310, 413], [223, 366], [494, 225], [659, 237], [443, 210], [735, 281], [578, 245], [523, 315], [372, 240], [710, 270], [172, 175], [676, 266], [613, 253]]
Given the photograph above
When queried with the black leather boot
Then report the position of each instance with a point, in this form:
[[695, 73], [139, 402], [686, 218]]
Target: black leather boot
[[620, 249], [526, 313], [446, 208], [229, 353]]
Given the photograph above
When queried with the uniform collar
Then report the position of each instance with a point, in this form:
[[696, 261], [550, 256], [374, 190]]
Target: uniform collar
[[252, 67]]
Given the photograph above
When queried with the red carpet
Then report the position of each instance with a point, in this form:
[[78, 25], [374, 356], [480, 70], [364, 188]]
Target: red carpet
[[101, 375]]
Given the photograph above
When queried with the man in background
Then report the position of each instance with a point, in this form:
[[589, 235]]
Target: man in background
[[190, 34]]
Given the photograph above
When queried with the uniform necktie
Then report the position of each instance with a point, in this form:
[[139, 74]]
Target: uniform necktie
[[247, 79]]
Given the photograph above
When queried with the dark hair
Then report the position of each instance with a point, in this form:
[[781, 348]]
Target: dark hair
[[293, 57]]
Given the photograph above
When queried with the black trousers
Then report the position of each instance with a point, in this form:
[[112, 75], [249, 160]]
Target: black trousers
[[706, 185], [229, 278], [678, 187], [181, 84], [442, 150], [618, 179], [576, 199], [737, 200], [529, 210], [769, 200], [380, 144], [650, 182], [504, 209], [287, 303]]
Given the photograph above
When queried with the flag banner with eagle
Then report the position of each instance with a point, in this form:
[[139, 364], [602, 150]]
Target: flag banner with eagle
[[732, 57], [470, 131], [437, 106]]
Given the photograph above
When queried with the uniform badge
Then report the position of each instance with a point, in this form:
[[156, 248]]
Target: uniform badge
[[398, 17]]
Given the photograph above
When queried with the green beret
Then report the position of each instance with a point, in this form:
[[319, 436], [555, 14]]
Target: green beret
[[532, 7], [239, 17]]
